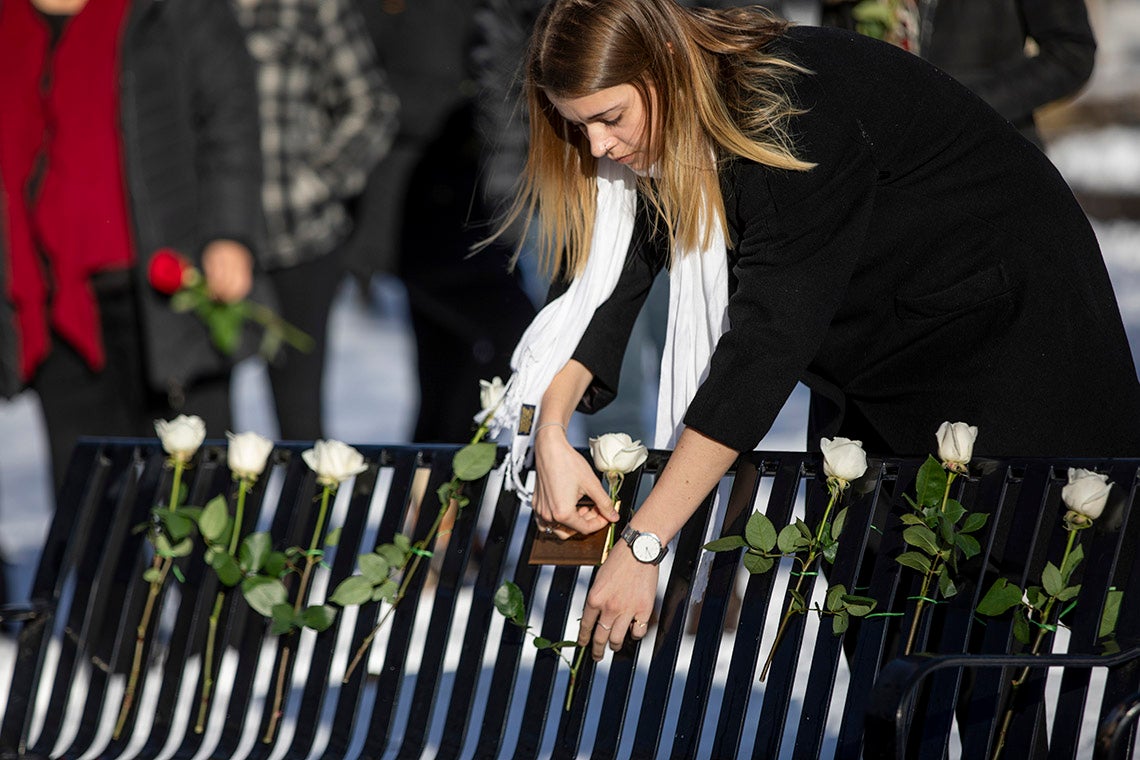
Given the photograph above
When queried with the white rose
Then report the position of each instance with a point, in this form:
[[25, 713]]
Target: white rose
[[617, 453], [843, 459], [1087, 493], [334, 462], [491, 393], [181, 436], [956, 444], [248, 454]]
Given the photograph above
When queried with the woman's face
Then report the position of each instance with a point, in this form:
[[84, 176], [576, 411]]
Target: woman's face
[[614, 120]]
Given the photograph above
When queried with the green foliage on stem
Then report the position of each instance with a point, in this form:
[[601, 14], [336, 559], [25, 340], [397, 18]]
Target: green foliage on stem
[[380, 572], [511, 604]]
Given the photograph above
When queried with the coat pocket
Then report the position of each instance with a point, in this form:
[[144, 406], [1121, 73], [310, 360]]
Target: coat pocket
[[984, 288]]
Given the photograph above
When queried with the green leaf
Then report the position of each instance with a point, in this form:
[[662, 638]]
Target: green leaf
[[152, 575], [229, 573], [541, 642], [840, 521], [760, 532], [403, 543], [915, 560], [182, 549], [275, 564], [350, 591], [446, 492], [386, 592], [974, 521], [954, 511], [921, 537], [945, 530], [911, 519], [283, 619], [255, 552], [1037, 597], [1001, 596], [757, 563], [510, 603], [790, 540], [391, 554], [728, 543], [968, 544], [946, 585], [840, 622], [930, 484], [333, 538], [215, 519], [830, 549], [1051, 579], [225, 327], [178, 524], [1069, 592], [860, 606], [318, 617], [805, 531], [1111, 612], [263, 594], [162, 546], [374, 567], [1020, 625], [474, 460], [1071, 562], [833, 601]]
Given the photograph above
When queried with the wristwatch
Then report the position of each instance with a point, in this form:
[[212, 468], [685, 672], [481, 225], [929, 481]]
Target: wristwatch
[[646, 547]]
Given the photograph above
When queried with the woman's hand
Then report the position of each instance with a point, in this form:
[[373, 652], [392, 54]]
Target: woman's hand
[[620, 600], [564, 477]]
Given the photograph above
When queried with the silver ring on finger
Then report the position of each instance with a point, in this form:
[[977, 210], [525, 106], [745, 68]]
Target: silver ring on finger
[[604, 626]]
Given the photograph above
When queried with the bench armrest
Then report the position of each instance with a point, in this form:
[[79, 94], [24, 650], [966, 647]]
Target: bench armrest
[[893, 695]]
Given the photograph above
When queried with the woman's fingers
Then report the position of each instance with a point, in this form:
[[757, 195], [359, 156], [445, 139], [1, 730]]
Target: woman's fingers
[[619, 603]]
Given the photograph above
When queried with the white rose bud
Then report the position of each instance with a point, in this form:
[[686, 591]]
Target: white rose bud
[[843, 459], [956, 444], [617, 453], [248, 454], [181, 436], [1085, 495], [334, 462], [491, 393]]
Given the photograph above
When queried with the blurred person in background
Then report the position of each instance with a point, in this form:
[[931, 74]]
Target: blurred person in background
[[1017, 55], [128, 126], [328, 116], [423, 210]]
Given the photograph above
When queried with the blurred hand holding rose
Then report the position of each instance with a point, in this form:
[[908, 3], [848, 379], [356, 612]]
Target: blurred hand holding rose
[[220, 302]]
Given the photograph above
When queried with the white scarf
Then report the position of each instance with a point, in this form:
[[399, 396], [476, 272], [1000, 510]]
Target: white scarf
[[698, 316]]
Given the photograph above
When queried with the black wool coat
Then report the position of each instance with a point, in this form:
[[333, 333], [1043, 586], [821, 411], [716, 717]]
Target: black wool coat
[[932, 266]]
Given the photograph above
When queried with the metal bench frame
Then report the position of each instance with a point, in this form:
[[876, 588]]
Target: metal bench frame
[[449, 678]]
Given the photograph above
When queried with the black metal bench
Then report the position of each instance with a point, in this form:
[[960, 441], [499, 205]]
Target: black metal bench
[[448, 677]]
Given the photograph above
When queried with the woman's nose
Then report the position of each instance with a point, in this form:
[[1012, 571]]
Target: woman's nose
[[599, 142]]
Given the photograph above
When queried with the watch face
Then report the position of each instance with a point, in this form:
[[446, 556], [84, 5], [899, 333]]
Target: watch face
[[646, 547]]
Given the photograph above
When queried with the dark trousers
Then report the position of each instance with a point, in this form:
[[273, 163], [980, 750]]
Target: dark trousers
[[305, 294], [77, 400]]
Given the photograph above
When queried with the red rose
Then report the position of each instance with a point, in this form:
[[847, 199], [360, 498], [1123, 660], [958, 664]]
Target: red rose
[[167, 271]]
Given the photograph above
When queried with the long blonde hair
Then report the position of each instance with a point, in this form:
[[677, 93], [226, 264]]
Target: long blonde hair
[[718, 93]]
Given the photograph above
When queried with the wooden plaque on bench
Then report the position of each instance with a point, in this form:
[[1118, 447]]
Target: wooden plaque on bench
[[577, 550]]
